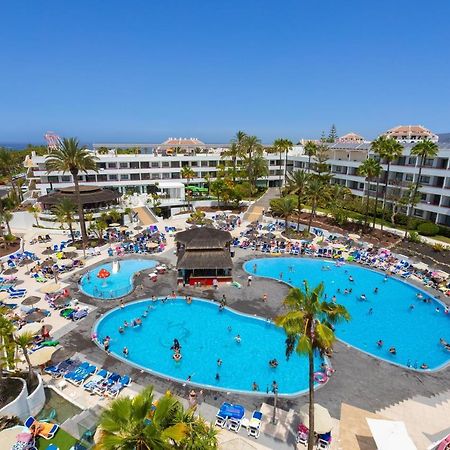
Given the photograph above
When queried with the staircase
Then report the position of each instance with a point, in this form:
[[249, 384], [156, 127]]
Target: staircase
[[423, 416], [146, 217], [85, 420]]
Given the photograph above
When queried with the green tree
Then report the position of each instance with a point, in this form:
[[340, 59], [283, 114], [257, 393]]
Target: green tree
[[339, 196], [389, 150], [232, 153], [7, 349], [9, 167], [217, 188], [188, 174], [371, 170], [321, 166], [298, 185], [409, 199], [310, 151], [6, 216], [70, 157], [254, 163], [332, 135], [283, 207], [200, 434], [308, 322], [64, 212], [282, 146], [35, 211], [114, 215], [315, 193], [98, 227], [23, 341], [140, 423]]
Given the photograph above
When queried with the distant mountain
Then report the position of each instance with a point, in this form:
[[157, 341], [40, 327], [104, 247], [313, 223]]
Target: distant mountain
[[444, 137]]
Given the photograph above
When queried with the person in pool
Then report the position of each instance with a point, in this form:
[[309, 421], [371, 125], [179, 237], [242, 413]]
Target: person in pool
[[237, 338], [379, 343], [350, 278], [121, 330], [393, 351], [125, 352], [125, 324], [424, 366], [255, 387], [419, 296], [375, 291], [219, 362], [363, 297], [176, 345], [273, 363]]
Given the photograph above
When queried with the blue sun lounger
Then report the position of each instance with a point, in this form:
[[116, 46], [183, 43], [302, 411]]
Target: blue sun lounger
[[96, 380], [228, 411], [76, 373]]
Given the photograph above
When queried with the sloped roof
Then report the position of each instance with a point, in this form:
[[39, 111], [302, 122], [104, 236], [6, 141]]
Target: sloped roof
[[203, 238], [212, 259]]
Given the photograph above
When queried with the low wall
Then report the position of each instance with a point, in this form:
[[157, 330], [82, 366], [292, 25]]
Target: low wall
[[26, 405]]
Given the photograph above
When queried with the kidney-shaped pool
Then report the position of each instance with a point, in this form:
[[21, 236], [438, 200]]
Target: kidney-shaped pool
[[206, 335]]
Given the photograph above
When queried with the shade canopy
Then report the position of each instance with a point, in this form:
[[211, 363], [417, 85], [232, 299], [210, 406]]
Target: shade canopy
[[420, 266], [213, 259], [51, 288], [41, 356], [31, 300], [88, 195], [33, 328], [203, 238], [70, 249], [390, 435], [322, 419]]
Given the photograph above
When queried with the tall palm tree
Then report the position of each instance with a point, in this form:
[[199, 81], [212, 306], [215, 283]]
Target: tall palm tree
[[140, 423], [71, 157], [233, 153], [370, 169], [310, 151], [308, 320], [251, 153], [298, 185], [283, 207], [9, 167], [277, 147], [377, 147], [34, 210], [188, 173], [200, 434], [315, 193], [389, 150], [282, 146], [6, 216], [23, 341], [423, 150], [64, 212]]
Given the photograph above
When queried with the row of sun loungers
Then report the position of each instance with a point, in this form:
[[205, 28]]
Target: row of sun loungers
[[232, 417]]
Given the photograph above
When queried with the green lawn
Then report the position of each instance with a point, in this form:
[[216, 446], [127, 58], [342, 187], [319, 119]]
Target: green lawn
[[62, 440], [442, 239]]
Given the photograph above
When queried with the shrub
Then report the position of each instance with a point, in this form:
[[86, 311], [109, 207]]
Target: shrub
[[444, 231], [401, 219], [428, 229], [438, 247], [414, 237]]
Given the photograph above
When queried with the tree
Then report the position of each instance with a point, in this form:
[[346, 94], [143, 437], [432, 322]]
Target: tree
[[254, 163], [64, 212], [410, 199], [114, 216], [9, 167], [310, 151], [7, 348], [423, 150], [140, 423], [370, 169], [34, 210], [233, 153], [309, 321], [321, 166], [298, 185], [70, 157], [283, 207], [339, 195], [282, 146], [332, 135], [389, 150], [316, 192], [187, 173], [23, 341], [6, 216], [98, 227], [200, 434]]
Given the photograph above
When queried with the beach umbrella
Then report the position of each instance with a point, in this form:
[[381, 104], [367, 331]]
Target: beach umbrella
[[123, 228], [138, 228], [114, 225], [33, 328], [322, 419], [51, 288], [70, 249], [3, 296], [8, 437], [41, 356], [35, 316], [48, 262], [61, 301], [10, 271], [31, 300], [26, 261], [65, 262], [269, 235], [151, 245]]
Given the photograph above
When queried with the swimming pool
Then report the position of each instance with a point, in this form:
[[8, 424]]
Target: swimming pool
[[206, 335], [117, 284], [414, 332]]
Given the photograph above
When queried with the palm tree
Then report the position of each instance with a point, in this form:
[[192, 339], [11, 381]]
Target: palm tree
[[35, 210], [233, 153], [310, 151], [9, 167], [308, 323], [283, 207], [316, 191], [70, 157], [251, 153], [64, 212], [187, 173], [7, 348], [200, 434], [423, 150], [370, 169], [140, 423], [23, 341], [6, 216], [298, 185], [282, 146], [389, 150]]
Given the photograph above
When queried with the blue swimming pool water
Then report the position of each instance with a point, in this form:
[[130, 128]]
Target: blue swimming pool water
[[414, 333], [204, 335], [117, 284]]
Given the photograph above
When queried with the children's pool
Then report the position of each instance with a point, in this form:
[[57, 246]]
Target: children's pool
[[206, 335], [394, 314], [118, 283]]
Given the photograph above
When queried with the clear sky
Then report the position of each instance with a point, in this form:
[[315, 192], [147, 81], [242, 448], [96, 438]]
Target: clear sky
[[143, 70]]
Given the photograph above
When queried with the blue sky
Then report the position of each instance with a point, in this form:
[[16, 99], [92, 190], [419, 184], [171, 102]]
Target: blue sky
[[145, 70]]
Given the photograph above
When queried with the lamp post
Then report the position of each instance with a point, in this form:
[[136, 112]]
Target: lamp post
[[275, 399]]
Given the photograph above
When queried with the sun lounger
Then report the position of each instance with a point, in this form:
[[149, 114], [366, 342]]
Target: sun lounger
[[82, 375], [97, 379], [76, 371], [227, 412], [77, 315], [114, 390], [48, 429], [254, 426]]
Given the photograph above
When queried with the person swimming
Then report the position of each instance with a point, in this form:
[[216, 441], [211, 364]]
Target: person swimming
[[125, 324], [393, 351], [237, 338], [350, 278], [176, 345], [363, 297], [219, 362], [370, 311], [444, 343], [121, 330], [424, 366], [125, 352], [177, 356], [273, 363], [380, 343], [375, 291], [255, 387]]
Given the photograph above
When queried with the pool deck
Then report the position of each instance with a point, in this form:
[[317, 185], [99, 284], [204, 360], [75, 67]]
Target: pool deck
[[360, 380]]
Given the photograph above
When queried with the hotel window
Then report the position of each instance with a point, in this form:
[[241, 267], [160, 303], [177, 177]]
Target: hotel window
[[411, 161], [53, 179], [113, 177], [101, 165], [273, 162], [424, 179], [156, 176], [212, 163], [145, 165], [204, 163], [418, 212], [134, 165], [428, 162], [184, 163], [66, 179], [165, 164], [112, 165], [175, 175], [102, 178], [124, 176], [135, 176], [409, 177], [166, 176], [145, 176], [90, 178], [155, 165], [124, 165], [194, 163], [175, 164]]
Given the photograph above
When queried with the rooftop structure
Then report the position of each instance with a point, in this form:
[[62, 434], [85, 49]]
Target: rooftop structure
[[183, 141], [352, 138], [411, 134]]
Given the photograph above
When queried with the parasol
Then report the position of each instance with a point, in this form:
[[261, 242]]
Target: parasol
[[114, 225], [51, 288], [322, 419], [32, 300], [70, 249], [41, 356], [33, 328], [10, 271]]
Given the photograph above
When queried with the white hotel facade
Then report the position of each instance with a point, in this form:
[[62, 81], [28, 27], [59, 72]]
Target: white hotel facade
[[161, 165]]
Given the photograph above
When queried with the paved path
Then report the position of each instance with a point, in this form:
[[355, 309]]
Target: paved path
[[263, 203]]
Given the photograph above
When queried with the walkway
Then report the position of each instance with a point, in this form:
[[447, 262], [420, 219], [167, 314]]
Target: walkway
[[263, 203], [146, 217]]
